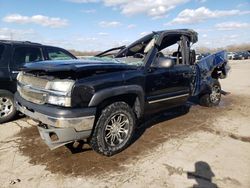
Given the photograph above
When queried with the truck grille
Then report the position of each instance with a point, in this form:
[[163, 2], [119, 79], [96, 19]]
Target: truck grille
[[36, 82], [38, 98], [32, 88]]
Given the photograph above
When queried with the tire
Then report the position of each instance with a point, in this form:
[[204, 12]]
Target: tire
[[116, 120], [7, 108], [213, 97]]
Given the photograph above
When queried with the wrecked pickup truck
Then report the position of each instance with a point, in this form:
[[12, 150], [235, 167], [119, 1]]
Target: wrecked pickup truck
[[100, 99]]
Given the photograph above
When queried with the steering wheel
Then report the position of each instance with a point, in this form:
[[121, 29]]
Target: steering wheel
[[139, 55]]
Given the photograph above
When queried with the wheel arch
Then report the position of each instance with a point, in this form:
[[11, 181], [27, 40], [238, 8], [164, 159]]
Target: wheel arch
[[207, 89], [133, 95]]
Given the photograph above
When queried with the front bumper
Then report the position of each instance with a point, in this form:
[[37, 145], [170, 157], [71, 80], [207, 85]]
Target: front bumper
[[61, 125]]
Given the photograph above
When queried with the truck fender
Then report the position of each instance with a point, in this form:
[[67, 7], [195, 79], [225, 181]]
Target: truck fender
[[101, 95]]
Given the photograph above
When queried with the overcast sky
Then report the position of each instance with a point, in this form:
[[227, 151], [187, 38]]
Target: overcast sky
[[101, 24]]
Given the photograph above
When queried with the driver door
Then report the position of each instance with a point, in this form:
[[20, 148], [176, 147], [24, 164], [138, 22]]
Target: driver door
[[167, 87]]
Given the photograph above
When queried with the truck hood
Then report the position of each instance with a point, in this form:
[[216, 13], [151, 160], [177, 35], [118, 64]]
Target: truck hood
[[103, 64]]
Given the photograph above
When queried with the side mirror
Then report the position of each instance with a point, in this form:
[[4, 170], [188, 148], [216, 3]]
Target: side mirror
[[163, 62]]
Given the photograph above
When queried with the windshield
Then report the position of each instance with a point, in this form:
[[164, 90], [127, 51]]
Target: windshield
[[111, 52], [131, 61], [133, 55], [142, 46], [124, 60]]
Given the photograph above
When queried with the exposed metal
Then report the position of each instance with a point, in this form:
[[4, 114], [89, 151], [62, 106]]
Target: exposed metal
[[78, 123]]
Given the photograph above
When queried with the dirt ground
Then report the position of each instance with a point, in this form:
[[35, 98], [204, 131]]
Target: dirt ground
[[185, 147]]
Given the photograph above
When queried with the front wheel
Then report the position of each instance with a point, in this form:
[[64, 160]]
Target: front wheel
[[114, 129], [213, 98], [7, 109]]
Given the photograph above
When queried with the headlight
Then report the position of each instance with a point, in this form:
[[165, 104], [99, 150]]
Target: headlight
[[61, 86], [59, 100], [60, 92]]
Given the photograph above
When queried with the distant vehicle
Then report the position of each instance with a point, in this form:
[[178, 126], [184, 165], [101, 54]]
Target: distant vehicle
[[200, 56], [233, 56], [244, 55], [14, 54]]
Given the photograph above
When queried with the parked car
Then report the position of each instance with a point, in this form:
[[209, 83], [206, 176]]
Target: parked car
[[198, 57], [13, 55], [101, 99], [244, 55], [202, 55], [233, 56]]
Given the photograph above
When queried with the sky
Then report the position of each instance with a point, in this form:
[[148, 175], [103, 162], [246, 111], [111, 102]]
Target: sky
[[94, 25]]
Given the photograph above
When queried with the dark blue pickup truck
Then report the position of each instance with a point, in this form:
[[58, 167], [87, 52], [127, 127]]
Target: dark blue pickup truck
[[100, 99]]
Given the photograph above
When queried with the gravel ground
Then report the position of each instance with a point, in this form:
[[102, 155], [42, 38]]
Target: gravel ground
[[185, 147]]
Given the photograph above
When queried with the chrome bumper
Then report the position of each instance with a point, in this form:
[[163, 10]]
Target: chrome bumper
[[58, 129], [78, 123], [56, 137]]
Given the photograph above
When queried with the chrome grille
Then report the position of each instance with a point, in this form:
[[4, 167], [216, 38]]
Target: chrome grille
[[31, 88], [38, 98], [33, 81]]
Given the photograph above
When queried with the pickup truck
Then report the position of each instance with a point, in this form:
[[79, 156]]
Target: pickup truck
[[100, 99], [13, 55]]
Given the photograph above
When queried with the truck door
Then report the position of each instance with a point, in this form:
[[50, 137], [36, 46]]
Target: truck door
[[167, 87], [4, 67]]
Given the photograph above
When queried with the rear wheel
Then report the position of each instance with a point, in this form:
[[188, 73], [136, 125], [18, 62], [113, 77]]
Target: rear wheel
[[213, 98], [7, 109], [114, 129]]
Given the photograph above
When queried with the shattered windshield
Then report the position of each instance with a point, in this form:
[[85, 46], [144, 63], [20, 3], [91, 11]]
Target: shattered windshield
[[131, 61], [144, 46], [125, 60], [133, 55]]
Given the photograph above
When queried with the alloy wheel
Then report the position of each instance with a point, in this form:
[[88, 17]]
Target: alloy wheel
[[6, 106], [116, 131]]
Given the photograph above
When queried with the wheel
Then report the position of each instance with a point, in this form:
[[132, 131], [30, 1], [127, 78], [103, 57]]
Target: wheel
[[114, 129], [7, 109], [213, 98]]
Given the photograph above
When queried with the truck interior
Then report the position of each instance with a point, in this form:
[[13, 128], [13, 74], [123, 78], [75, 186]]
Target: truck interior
[[178, 43]]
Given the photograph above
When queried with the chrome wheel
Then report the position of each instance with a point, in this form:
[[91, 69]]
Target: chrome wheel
[[116, 131], [216, 94], [6, 106]]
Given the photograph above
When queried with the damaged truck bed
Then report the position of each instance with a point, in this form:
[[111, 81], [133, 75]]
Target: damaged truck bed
[[211, 67], [100, 99]]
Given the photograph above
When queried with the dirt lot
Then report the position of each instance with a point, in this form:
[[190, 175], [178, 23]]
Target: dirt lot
[[186, 147]]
